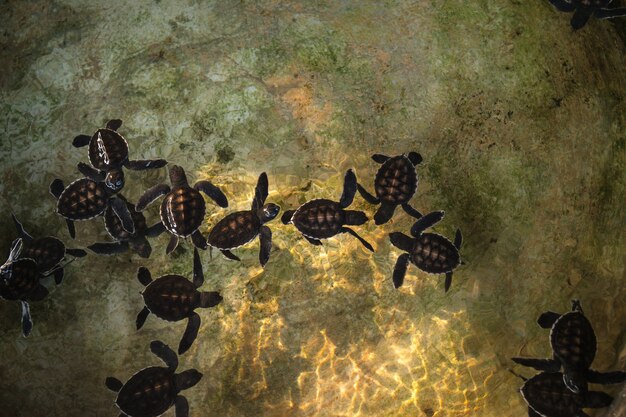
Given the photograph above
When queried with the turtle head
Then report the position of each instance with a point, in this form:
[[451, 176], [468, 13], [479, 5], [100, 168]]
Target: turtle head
[[268, 212], [187, 379], [575, 381], [177, 176], [114, 180]]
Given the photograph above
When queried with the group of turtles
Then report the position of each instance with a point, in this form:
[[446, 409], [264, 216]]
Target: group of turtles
[[561, 389]]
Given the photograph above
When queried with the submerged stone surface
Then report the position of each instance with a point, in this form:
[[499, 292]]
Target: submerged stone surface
[[521, 125]]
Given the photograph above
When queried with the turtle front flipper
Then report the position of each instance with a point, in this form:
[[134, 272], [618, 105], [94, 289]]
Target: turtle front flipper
[[458, 239], [595, 377], [171, 246], [610, 13], [355, 234], [580, 18], [597, 399], [113, 384], [56, 188], [228, 254], [312, 241], [191, 332], [58, 275], [76, 253], [166, 354], [401, 241], [384, 213], [212, 191], [109, 248], [187, 379], [141, 317], [425, 222], [349, 189], [81, 140], [141, 246], [20, 229], [150, 195], [70, 228], [399, 270], [155, 230], [27, 321], [548, 365], [366, 195], [546, 320], [91, 172], [181, 406], [411, 211], [260, 192], [265, 236], [145, 164], [114, 124], [198, 240], [144, 276], [198, 274], [286, 217], [563, 5], [448, 281], [379, 158], [210, 299], [121, 211]]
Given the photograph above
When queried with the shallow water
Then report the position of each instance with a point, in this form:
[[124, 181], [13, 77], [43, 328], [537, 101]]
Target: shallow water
[[521, 123]]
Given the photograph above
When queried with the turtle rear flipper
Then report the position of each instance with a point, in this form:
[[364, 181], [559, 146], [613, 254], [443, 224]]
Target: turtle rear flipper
[[90, 172], [580, 18], [181, 406], [548, 365], [76, 253], [20, 229], [187, 379], [597, 399], [56, 188], [141, 246], [366, 195], [121, 211], [399, 270], [212, 191], [58, 276], [113, 384], [349, 189], [114, 124], [355, 234], [155, 230], [141, 317], [546, 320], [39, 293], [448, 281], [210, 299], [287, 216], [144, 276], [563, 5], [312, 241], [260, 192], [595, 377], [458, 239], [166, 354], [411, 211], [228, 254], [425, 222], [171, 246], [610, 13], [109, 248], [81, 140], [70, 228], [384, 213], [27, 321], [191, 332], [198, 274], [150, 195], [144, 164], [198, 240], [265, 236]]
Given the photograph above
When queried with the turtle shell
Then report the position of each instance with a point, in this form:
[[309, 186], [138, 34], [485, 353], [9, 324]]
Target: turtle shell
[[548, 396], [148, 393], [182, 211], [24, 280], [114, 227], [109, 152], [83, 199], [235, 230], [573, 340], [319, 218], [434, 254], [47, 252], [171, 297], [396, 180]]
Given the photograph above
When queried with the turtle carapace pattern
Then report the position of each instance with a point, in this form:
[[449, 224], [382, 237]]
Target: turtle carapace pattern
[[574, 346], [137, 241], [430, 252], [108, 153], [85, 199], [183, 208], [20, 281], [48, 252], [241, 227], [321, 218], [547, 396], [174, 298], [154, 390], [584, 9], [395, 184]]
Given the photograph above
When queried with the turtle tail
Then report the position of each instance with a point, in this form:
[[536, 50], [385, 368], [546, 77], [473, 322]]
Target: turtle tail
[[210, 299], [355, 217]]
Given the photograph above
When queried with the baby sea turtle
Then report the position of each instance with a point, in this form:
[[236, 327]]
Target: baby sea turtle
[[321, 218], [174, 298], [430, 252], [19, 281], [574, 347], [85, 199], [183, 208], [547, 396], [584, 9], [48, 252], [395, 184], [108, 153], [241, 227], [153, 390], [124, 239]]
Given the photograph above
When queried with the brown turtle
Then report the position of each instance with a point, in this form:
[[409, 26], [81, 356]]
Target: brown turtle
[[241, 227], [321, 218], [108, 153], [395, 184], [154, 390], [584, 9], [174, 298], [20, 281], [85, 199], [124, 239], [430, 252], [183, 208], [48, 252]]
